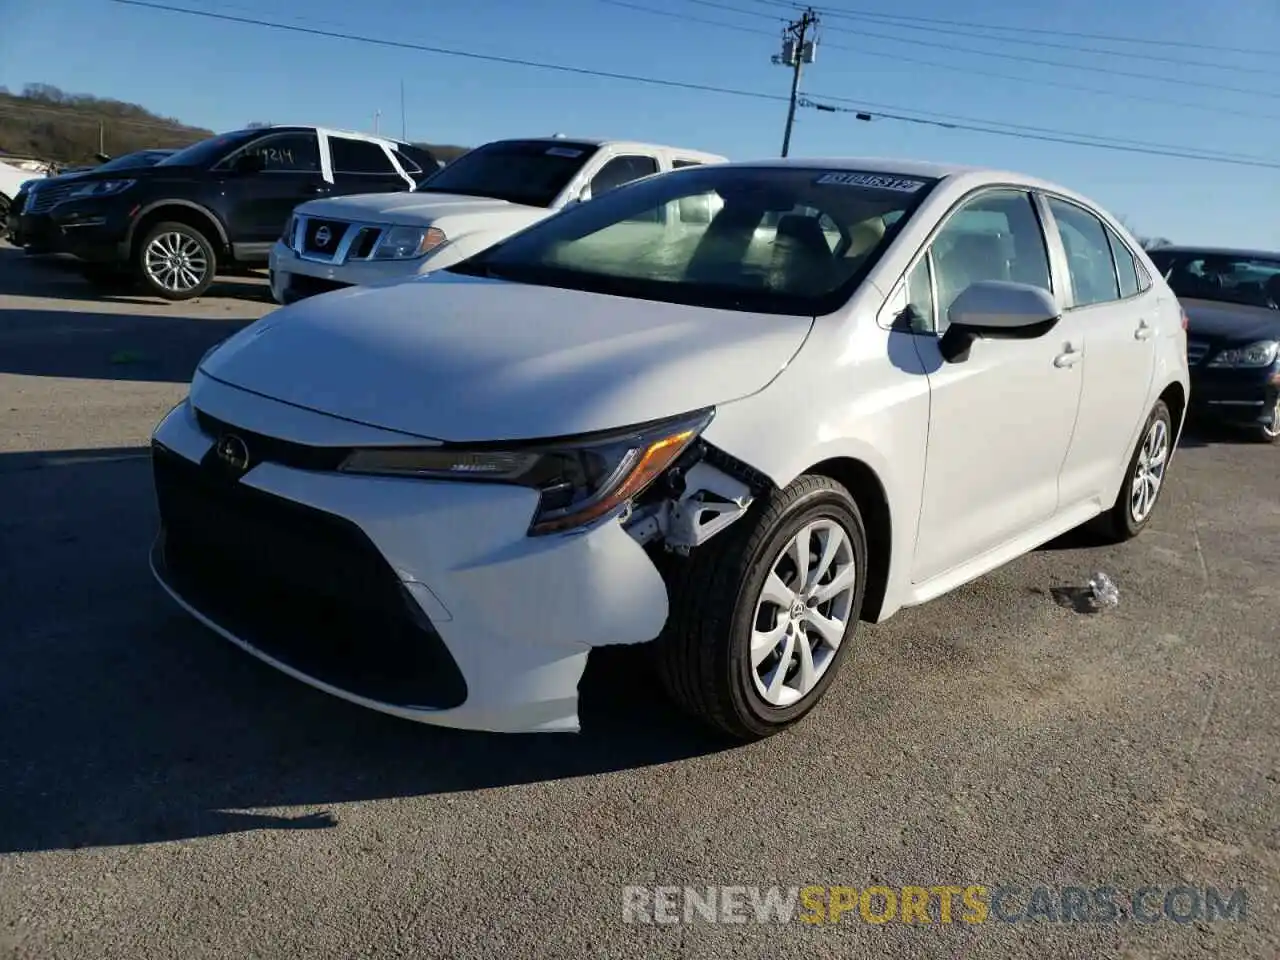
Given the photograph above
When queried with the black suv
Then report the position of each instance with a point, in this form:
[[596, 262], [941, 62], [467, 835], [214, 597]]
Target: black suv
[[219, 203]]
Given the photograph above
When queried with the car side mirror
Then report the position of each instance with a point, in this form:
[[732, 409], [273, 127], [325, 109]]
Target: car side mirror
[[248, 163], [996, 310], [584, 194]]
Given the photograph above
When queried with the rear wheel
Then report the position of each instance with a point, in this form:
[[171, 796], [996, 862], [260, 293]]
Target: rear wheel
[[763, 616], [176, 261]]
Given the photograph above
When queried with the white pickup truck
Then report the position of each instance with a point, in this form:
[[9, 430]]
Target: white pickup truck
[[483, 197]]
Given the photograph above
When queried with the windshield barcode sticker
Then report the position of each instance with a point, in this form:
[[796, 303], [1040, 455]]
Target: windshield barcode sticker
[[878, 180], [563, 152]]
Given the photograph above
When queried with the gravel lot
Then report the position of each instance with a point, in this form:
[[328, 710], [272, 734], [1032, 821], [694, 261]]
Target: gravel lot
[[163, 795]]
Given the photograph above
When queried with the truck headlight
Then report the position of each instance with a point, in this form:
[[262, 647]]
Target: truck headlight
[[1260, 354], [580, 479], [406, 243], [101, 188]]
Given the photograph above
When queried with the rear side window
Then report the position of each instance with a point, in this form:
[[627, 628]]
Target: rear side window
[[679, 164], [409, 166], [1093, 273], [622, 170], [1126, 266], [359, 157]]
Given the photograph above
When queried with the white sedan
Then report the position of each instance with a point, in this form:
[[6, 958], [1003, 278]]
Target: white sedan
[[732, 410]]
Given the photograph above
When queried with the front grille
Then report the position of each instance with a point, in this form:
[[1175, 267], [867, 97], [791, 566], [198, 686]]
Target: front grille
[[1196, 350], [305, 587], [263, 449], [323, 236], [44, 197]]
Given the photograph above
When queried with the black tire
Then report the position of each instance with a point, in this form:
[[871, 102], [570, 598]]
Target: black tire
[[704, 652], [1119, 523], [1263, 433], [4, 216], [189, 239]]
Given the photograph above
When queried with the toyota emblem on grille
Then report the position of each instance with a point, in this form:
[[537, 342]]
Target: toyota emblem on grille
[[323, 236], [233, 452]]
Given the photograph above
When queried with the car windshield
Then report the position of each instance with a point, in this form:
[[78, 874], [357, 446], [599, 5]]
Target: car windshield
[[207, 152], [1226, 278], [529, 172], [786, 240], [143, 158]]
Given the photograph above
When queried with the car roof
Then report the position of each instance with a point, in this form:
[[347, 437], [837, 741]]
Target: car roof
[[615, 144], [329, 131], [1182, 248]]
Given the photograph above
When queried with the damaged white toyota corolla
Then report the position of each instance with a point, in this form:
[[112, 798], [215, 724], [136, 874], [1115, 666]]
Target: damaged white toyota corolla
[[733, 410]]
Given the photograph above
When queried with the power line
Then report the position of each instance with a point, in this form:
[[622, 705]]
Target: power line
[[676, 84], [869, 51], [870, 111], [447, 52], [848, 12], [1020, 58]]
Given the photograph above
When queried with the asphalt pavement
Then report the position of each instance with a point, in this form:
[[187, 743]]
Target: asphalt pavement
[[164, 795]]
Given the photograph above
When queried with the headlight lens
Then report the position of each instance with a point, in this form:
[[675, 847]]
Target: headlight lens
[[581, 479], [1260, 354], [101, 188], [406, 243]]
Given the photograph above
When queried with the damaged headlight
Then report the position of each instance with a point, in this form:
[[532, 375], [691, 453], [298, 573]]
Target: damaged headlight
[[580, 479]]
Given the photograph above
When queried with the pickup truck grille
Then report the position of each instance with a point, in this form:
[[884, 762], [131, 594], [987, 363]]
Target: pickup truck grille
[[322, 240]]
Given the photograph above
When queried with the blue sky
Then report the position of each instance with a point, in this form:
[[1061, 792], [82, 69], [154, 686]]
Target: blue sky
[[224, 75]]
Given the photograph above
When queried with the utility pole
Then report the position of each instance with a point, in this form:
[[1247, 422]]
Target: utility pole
[[797, 50], [404, 135], [377, 115], [102, 137]]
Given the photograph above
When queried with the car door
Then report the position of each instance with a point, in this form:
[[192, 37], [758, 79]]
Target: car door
[[1000, 420], [258, 204], [363, 166], [1118, 320]]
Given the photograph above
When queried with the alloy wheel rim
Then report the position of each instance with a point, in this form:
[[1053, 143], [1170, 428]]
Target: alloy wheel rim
[[175, 262], [802, 612], [1148, 478]]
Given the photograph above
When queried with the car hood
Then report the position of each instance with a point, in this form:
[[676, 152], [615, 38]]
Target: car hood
[[459, 358], [1230, 321], [417, 209]]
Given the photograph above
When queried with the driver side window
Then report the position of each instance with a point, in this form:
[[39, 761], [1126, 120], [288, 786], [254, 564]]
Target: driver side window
[[284, 153], [995, 236]]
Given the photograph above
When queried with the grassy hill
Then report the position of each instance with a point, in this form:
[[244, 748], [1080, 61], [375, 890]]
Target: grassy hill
[[46, 123]]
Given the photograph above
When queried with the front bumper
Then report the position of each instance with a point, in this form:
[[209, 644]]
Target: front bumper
[[294, 278], [423, 600], [95, 230], [34, 230], [1242, 396]]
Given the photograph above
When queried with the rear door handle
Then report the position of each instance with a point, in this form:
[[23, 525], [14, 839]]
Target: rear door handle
[[1068, 358], [1144, 331]]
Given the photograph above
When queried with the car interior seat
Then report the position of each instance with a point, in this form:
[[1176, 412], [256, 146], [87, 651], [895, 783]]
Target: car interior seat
[[801, 253]]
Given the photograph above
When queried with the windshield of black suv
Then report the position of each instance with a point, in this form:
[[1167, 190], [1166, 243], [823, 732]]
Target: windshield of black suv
[[131, 161], [529, 172], [207, 152], [1226, 278], [784, 240]]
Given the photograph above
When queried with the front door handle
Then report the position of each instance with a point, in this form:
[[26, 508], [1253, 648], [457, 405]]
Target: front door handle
[[1144, 331], [1068, 358], [316, 188]]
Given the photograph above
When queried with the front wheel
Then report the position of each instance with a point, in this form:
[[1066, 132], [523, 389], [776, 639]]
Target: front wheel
[[1270, 432], [1144, 479], [762, 617], [176, 261]]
